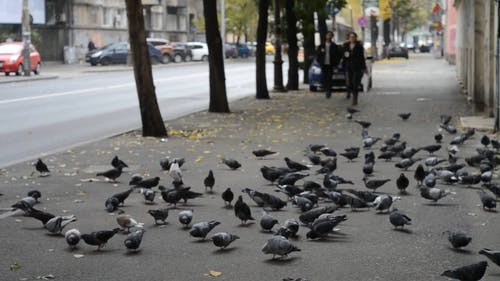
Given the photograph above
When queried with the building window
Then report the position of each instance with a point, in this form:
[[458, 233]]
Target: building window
[[107, 18]]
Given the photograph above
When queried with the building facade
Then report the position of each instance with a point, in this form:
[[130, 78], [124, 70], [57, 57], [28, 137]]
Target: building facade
[[450, 32]]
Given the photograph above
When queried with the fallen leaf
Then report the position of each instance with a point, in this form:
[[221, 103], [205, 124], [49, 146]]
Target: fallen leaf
[[15, 266], [199, 159], [215, 273], [90, 180], [78, 256], [472, 214]]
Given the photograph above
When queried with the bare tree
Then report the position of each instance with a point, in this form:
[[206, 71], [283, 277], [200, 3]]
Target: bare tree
[[152, 122], [218, 96], [293, 68], [278, 61], [262, 91]]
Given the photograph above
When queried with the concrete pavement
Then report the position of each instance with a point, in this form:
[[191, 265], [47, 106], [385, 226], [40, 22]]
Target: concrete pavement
[[365, 247]]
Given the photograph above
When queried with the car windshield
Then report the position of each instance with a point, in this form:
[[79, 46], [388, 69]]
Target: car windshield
[[10, 49]]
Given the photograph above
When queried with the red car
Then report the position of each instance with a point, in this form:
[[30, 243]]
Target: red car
[[11, 59]]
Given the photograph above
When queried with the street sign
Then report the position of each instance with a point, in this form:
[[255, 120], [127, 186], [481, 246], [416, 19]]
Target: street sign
[[362, 21], [370, 3]]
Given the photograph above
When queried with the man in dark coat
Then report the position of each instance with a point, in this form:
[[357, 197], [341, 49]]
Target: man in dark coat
[[354, 65], [91, 46], [328, 57]]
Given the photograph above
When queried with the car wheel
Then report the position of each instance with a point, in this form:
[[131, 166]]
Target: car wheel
[[37, 69], [188, 58], [105, 61], [166, 59], [313, 88], [20, 70], [7, 73], [177, 58], [204, 58], [93, 64]]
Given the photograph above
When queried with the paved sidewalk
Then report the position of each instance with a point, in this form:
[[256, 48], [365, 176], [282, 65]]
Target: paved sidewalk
[[365, 248]]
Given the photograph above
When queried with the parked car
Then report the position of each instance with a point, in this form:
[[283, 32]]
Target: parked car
[[182, 52], [116, 53], [270, 50], [253, 47], [230, 51], [199, 50], [11, 58], [424, 49], [167, 51], [243, 50], [300, 57], [339, 77], [397, 52]]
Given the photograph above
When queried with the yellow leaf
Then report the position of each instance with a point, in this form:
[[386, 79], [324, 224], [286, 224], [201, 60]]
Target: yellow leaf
[[199, 159], [215, 273]]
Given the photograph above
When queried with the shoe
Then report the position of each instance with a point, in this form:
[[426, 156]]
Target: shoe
[[328, 95], [355, 99]]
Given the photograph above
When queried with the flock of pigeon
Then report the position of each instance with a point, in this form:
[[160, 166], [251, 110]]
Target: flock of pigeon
[[316, 202]]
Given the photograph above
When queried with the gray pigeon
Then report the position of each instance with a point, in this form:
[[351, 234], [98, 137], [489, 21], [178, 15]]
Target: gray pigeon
[[434, 193], [433, 161], [406, 163], [384, 202], [159, 215], [494, 256], [72, 237], [201, 229], [185, 217], [303, 203], [149, 195], [134, 239], [473, 272], [267, 222], [289, 229], [223, 239], [56, 224], [487, 199], [374, 184], [398, 218], [458, 239], [279, 246], [324, 225], [311, 215]]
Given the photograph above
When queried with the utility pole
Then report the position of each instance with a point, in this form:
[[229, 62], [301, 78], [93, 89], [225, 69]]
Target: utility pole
[[278, 61], [26, 30]]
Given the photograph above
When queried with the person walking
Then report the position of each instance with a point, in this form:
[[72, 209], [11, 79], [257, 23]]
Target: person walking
[[354, 65], [91, 45], [328, 57]]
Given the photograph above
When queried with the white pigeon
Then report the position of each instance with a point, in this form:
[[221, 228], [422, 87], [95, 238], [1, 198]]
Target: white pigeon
[[175, 172]]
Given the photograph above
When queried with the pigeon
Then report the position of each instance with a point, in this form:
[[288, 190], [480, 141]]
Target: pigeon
[[438, 138], [495, 189], [487, 200], [393, 139], [149, 195], [449, 128], [228, 197], [419, 174], [112, 174], [56, 224], [135, 179], [166, 163], [311, 215], [267, 222], [350, 155], [36, 194], [242, 211], [486, 176], [263, 153], [398, 218], [473, 272], [368, 142], [289, 229], [271, 174], [374, 184], [445, 119], [112, 204], [122, 196], [384, 202], [433, 161], [404, 116], [42, 216], [432, 148], [279, 246], [175, 173], [351, 110], [125, 221], [315, 159], [363, 124], [434, 193], [303, 203], [99, 238], [295, 165], [72, 237], [402, 183], [495, 144], [328, 152], [387, 155], [485, 140], [174, 195], [494, 256], [290, 190], [458, 140], [159, 215], [364, 195], [322, 226], [223, 239], [201, 229], [470, 179], [368, 169], [25, 204], [409, 152], [356, 203], [311, 185], [274, 202], [42, 168], [458, 239], [209, 181], [316, 147], [406, 163], [291, 178], [115, 162], [146, 183], [185, 217], [231, 163], [134, 239]]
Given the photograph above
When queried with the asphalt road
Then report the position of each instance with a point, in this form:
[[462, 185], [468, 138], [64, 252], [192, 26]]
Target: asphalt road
[[39, 117]]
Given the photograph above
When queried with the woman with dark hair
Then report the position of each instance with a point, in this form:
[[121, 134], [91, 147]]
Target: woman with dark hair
[[354, 65]]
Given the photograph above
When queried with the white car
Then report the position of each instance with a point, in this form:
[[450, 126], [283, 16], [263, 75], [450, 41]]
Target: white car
[[199, 50]]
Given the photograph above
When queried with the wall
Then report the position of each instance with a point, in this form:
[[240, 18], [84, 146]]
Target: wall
[[450, 33]]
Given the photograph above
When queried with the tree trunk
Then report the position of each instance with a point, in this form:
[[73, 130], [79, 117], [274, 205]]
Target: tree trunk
[[152, 122], [278, 61], [309, 50], [218, 97], [322, 27], [293, 68], [262, 91]]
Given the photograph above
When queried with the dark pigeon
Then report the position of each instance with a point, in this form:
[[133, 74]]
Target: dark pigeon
[[112, 174], [99, 238], [404, 116], [398, 218], [159, 215], [224, 239], [115, 162], [295, 165], [227, 196], [209, 181], [133, 240], [242, 211], [263, 152], [231, 163], [402, 183], [489, 202], [458, 239], [41, 167], [201, 229], [494, 256], [473, 272]]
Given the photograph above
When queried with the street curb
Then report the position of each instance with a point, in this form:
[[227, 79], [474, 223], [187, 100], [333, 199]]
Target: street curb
[[31, 78]]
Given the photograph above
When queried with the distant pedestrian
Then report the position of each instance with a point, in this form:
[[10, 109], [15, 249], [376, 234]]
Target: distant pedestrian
[[91, 45], [354, 65], [328, 57]]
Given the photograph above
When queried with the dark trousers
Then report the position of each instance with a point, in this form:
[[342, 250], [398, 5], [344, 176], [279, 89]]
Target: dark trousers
[[327, 71], [353, 80]]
